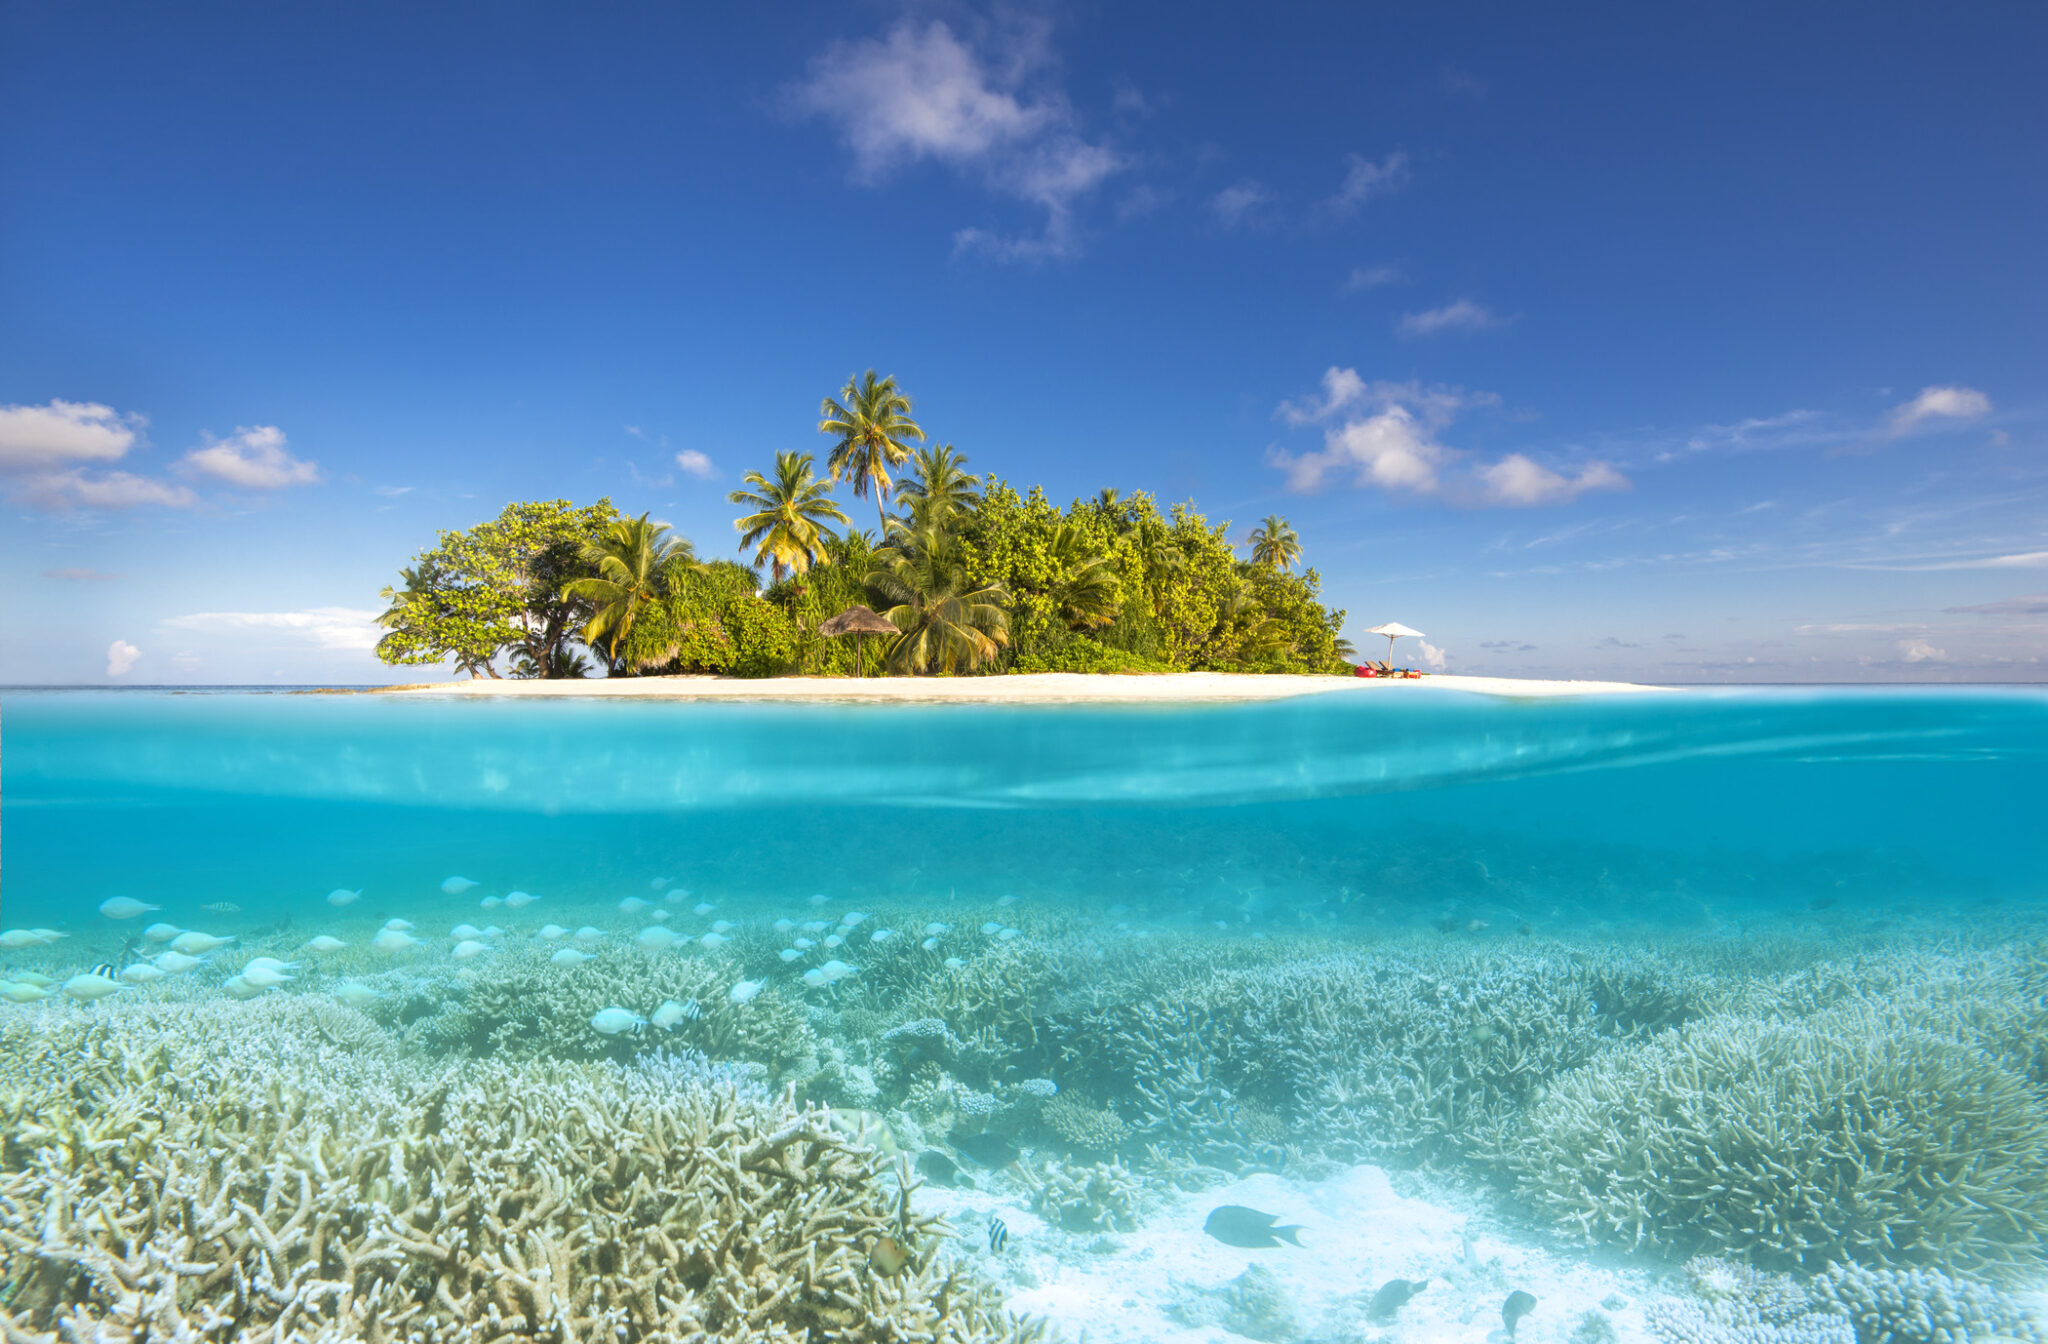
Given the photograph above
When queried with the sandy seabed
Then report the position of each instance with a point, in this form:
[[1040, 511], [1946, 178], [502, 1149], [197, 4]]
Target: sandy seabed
[[1035, 688]]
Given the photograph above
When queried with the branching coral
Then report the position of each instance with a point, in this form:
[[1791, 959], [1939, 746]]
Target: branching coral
[[1085, 1197], [1845, 1136], [229, 1173], [1925, 1306]]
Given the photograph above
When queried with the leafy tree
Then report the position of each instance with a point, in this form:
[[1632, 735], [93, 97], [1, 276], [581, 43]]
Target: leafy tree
[[949, 623], [1274, 544], [632, 557], [497, 588], [871, 420], [684, 629], [787, 528]]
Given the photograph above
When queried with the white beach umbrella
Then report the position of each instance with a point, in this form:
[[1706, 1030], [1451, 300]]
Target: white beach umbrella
[[1393, 630]]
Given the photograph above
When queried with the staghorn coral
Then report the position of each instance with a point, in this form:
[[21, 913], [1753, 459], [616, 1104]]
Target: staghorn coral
[[522, 1007], [1924, 1306], [227, 1172], [1847, 1136]]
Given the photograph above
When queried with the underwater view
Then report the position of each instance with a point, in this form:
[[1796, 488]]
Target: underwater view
[[1692, 1017]]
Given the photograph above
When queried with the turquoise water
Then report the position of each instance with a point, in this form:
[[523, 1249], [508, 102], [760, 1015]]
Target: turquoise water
[[1674, 809], [1697, 1017]]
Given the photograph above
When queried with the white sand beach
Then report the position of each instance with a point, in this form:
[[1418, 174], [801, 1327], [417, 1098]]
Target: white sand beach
[[1036, 688]]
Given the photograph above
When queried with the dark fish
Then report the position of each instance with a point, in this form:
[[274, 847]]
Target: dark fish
[[105, 970], [1236, 1225], [998, 1236], [1518, 1305], [1392, 1296], [936, 1167], [987, 1149]]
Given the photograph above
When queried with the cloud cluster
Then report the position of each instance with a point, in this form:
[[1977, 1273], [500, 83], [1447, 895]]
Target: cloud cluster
[[922, 93], [121, 656], [56, 456], [52, 457], [1388, 436], [253, 458], [696, 464]]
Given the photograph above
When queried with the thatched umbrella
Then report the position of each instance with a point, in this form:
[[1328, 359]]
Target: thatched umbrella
[[857, 621]]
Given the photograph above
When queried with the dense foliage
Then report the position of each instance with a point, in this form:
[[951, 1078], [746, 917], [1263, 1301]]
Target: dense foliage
[[974, 574]]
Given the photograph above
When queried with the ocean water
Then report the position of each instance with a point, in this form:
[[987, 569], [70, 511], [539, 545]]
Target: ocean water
[[1407, 970]]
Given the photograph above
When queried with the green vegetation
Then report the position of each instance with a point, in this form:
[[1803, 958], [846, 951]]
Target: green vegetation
[[977, 574]]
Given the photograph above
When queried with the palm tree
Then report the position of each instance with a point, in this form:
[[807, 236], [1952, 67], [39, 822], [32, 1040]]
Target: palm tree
[[872, 422], [948, 624], [1087, 589], [787, 527], [1274, 543], [632, 556], [939, 486]]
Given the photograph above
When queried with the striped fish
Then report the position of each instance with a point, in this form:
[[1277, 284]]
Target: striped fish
[[998, 1236]]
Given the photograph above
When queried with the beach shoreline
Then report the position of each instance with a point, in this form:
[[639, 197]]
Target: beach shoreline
[[1034, 688]]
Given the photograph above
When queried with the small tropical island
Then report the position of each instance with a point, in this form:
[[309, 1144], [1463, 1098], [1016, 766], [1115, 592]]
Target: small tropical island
[[963, 575]]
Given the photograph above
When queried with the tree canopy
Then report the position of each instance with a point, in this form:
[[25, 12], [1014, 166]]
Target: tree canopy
[[498, 589], [976, 574]]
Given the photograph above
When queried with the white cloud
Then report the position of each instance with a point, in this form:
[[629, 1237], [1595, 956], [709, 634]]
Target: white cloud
[[81, 575], [254, 458], [1235, 204], [326, 627], [1920, 651], [1462, 315], [121, 656], [2021, 560], [1364, 179], [53, 436], [1935, 404], [44, 449], [1372, 277], [1432, 656], [394, 491], [922, 93], [61, 490], [1518, 481], [696, 463], [1389, 438]]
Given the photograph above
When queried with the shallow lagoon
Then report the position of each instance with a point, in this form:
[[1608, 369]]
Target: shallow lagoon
[[1408, 973]]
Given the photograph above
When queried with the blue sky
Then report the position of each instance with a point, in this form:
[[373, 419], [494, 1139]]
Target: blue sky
[[1605, 340]]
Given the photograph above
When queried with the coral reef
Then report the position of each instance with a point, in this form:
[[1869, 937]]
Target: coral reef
[[1734, 1303], [1082, 1126], [247, 1172], [1924, 1306], [1850, 1135], [1087, 1197]]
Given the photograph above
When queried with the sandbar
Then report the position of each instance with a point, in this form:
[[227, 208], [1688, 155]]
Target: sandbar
[[1032, 688]]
